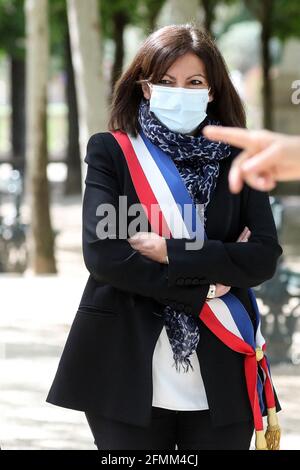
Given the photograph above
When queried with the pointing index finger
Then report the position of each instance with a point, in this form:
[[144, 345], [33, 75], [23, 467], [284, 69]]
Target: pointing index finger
[[232, 135]]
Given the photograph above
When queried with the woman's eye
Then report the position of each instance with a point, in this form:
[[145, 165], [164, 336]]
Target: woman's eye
[[165, 80], [193, 82]]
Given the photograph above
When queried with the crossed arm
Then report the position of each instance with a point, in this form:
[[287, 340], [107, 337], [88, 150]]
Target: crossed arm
[[232, 264], [114, 261]]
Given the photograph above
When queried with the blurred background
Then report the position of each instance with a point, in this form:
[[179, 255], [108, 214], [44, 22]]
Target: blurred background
[[59, 60]]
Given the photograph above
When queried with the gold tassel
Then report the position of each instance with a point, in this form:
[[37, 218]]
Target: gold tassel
[[273, 432], [260, 441]]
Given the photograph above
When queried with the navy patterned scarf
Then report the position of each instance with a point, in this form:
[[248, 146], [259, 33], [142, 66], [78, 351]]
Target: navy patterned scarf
[[197, 160]]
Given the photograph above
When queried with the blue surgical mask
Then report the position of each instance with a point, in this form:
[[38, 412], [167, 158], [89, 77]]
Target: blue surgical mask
[[179, 109]]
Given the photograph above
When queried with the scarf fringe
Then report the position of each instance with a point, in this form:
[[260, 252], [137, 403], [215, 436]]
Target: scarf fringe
[[179, 361]]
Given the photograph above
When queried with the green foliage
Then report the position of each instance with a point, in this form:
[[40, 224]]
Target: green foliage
[[12, 27], [141, 13], [241, 15], [109, 9], [287, 18], [58, 28], [210, 6], [151, 10], [284, 16]]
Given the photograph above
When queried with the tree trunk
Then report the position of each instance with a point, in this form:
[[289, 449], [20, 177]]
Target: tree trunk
[[73, 181], [153, 13], [84, 27], [267, 88], [120, 19], [208, 7], [17, 80], [41, 238]]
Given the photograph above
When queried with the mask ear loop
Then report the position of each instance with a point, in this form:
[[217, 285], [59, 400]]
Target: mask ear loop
[[209, 91], [150, 86]]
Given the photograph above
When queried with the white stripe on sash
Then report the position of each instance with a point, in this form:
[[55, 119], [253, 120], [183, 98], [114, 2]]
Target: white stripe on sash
[[175, 221], [164, 197], [222, 313], [259, 339]]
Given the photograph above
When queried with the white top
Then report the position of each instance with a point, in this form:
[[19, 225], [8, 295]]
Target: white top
[[172, 389]]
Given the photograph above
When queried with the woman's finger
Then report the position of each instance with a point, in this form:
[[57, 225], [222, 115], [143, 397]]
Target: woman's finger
[[244, 233], [221, 289], [246, 236]]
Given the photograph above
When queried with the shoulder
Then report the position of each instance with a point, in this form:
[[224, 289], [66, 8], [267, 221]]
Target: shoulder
[[101, 141], [104, 138], [102, 147]]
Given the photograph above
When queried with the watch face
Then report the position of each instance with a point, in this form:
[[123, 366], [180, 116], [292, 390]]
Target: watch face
[[211, 292]]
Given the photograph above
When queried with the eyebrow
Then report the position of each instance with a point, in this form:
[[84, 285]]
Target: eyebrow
[[195, 75]]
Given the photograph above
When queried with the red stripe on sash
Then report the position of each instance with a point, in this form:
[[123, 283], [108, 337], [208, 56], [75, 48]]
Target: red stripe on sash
[[159, 225], [237, 344], [143, 189], [268, 386]]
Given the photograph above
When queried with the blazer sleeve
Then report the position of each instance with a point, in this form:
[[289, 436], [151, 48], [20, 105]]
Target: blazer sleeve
[[112, 259], [235, 264]]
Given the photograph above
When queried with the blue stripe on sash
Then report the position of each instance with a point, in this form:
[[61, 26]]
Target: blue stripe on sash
[[177, 187], [260, 389], [245, 327], [182, 197], [255, 307], [241, 317]]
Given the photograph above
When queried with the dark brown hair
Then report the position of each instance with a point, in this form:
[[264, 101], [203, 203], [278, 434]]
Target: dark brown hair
[[152, 61]]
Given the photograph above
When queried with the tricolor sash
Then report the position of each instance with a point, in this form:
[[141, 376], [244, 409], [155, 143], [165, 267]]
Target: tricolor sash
[[158, 183]]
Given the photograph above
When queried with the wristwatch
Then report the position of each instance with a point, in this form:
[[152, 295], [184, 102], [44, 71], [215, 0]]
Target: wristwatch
[[212, 291]]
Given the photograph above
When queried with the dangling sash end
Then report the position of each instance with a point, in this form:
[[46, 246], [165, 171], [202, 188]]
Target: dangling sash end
[[260, 441], [273, 432]]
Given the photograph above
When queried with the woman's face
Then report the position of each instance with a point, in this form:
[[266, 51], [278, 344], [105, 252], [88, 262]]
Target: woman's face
[[188, 71]]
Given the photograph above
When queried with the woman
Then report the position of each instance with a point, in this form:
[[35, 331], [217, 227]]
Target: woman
[[138, 315]]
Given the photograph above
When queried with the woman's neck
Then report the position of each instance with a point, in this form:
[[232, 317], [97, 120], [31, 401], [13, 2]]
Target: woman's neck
[[197, 131]]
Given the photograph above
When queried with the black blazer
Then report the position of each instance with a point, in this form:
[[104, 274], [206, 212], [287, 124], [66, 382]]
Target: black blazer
[[106, 364]]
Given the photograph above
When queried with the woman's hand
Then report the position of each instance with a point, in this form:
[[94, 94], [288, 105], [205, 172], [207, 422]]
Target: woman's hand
[[220, 288], [154, 246], [150, 244], [244, 236]]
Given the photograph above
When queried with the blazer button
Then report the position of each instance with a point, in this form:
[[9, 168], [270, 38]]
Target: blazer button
[[188, 281], [181, 307], [180, 281], [188, 309], [195, 281]]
